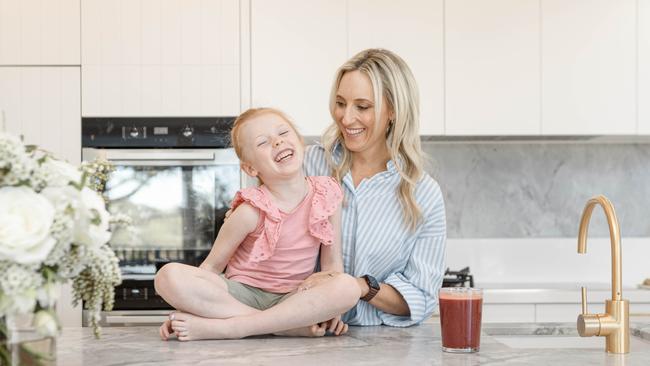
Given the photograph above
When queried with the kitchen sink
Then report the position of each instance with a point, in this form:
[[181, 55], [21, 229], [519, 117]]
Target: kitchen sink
[[555, 336]]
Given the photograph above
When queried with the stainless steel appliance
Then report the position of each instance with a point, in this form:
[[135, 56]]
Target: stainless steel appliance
[[174, 178], [461, 278]]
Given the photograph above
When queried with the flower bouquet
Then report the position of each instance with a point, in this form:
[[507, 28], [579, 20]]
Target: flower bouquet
[[54, 227]]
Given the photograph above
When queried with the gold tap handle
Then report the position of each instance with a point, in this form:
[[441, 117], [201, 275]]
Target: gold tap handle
[[584, 300]]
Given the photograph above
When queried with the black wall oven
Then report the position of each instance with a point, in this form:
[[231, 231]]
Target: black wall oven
[[174, 178]]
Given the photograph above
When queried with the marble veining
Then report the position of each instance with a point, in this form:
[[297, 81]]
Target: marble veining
[[420, 345], [538, 190]]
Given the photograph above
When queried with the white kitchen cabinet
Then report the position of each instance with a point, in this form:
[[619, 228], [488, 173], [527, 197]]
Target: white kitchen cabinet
[[160, 58], [43, 105], [492, 67], [296, 48], [588, 67], [643, 98], [39, 32], [414, 30]]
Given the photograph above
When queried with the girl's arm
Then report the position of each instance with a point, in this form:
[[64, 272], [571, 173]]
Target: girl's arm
[[241, 222], [331, 256]]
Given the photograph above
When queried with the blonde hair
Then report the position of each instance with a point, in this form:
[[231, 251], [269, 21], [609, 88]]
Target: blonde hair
[[247, 115], [392, 79]]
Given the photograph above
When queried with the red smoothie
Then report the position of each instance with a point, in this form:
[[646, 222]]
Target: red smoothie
[[460, 319]]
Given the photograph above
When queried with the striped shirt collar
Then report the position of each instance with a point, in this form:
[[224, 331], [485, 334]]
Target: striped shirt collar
[[337, 153]]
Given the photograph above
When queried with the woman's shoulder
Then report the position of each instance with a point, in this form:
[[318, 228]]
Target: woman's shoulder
[[428, 190], [315, 162]]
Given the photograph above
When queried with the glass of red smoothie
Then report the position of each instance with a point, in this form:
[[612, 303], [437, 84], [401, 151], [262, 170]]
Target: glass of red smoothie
[[460, 319]]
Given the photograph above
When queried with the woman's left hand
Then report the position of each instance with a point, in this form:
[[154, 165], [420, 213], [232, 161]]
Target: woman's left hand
[[316, 279]]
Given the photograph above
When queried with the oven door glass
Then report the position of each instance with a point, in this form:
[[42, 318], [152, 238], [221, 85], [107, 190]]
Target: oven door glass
[[173, 209]]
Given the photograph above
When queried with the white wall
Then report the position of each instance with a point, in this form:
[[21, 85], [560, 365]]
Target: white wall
[[548, 261]]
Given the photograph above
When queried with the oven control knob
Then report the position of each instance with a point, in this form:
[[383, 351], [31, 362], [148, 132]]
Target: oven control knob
[[134, 132], [186, 131]]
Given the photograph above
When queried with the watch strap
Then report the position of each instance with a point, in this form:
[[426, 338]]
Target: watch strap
[[372, 292]]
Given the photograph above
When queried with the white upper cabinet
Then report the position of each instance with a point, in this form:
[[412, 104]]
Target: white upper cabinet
[[39, 32], [588, 67], [492, 67], [160, 57], [414, 30], [43, 105], [643, 98], [296, 48]]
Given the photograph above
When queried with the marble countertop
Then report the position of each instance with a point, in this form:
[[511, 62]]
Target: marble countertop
[[501, 344]]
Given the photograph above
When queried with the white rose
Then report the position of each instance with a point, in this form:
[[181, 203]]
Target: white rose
[[25, 221], [60, 173], [92, 222], [46, 324], [63, 197]]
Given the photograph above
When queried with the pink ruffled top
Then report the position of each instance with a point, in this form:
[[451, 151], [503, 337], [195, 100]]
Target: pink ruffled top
[[282, 251]]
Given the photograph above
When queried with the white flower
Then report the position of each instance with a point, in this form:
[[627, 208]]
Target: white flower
[[18, 285], [16, 166], [25, 221], [21, 303], [92, 222], [46, 324], [58, 173]]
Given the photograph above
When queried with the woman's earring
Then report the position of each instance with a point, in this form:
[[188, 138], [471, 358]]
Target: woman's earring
[[390, 126]]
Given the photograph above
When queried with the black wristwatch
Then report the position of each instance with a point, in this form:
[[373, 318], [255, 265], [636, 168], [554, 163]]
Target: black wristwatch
[[373, 285]]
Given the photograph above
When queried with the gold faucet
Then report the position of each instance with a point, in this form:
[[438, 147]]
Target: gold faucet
[[614, 324]]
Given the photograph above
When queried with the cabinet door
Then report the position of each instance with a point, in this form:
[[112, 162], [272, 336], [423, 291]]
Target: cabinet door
[[413, 29], [39, 32], [643, 99], [43, 105], [588, 67], [160, 57], [492, 67], [296, 47]]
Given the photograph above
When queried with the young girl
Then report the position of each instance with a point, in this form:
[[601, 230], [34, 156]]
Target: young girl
[[268, 246]]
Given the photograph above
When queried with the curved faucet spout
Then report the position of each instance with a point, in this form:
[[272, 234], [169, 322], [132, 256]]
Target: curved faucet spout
[[614, 235]]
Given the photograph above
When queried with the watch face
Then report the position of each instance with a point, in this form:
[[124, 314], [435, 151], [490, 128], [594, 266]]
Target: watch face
[[372, 282]]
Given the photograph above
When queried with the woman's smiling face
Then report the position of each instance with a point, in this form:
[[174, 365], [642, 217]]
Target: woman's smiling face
[[273, 149], [354, 113]]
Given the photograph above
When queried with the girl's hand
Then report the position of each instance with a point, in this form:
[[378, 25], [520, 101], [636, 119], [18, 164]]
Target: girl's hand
[[166, 330], [336, 326], [316, 279]]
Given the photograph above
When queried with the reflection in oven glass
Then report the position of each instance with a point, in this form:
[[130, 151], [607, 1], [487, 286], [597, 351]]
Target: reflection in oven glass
[[177, 207]]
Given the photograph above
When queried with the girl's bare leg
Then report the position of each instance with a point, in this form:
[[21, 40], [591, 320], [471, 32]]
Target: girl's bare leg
[[198, 291], [315, 305]]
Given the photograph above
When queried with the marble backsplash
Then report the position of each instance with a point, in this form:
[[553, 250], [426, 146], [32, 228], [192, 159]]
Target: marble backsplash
[[538, 189]]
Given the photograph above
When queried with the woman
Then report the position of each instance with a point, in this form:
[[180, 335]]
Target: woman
[[393, 219]]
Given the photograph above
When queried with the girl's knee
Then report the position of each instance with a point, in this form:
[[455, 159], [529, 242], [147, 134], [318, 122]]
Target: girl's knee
[[167, 276], [347, 288]]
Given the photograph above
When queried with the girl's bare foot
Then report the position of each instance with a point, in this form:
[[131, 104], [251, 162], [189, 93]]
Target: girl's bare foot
[[316, 330], [188, 327]]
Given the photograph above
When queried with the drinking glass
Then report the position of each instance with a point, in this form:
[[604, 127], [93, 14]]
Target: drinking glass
[[460, 318]]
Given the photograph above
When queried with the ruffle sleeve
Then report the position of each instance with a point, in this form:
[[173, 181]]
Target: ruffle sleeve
[[264, 246], [327, 198]]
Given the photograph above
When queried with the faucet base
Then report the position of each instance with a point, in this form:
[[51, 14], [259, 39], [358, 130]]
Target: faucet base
[[616, 326]]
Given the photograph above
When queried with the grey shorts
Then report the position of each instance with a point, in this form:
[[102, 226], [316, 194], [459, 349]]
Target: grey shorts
[[253, 296]]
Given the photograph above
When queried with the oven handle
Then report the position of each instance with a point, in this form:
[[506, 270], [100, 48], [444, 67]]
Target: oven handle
[[158, 156]]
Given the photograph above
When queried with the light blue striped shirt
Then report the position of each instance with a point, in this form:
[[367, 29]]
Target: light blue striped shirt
[[376, 241]]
